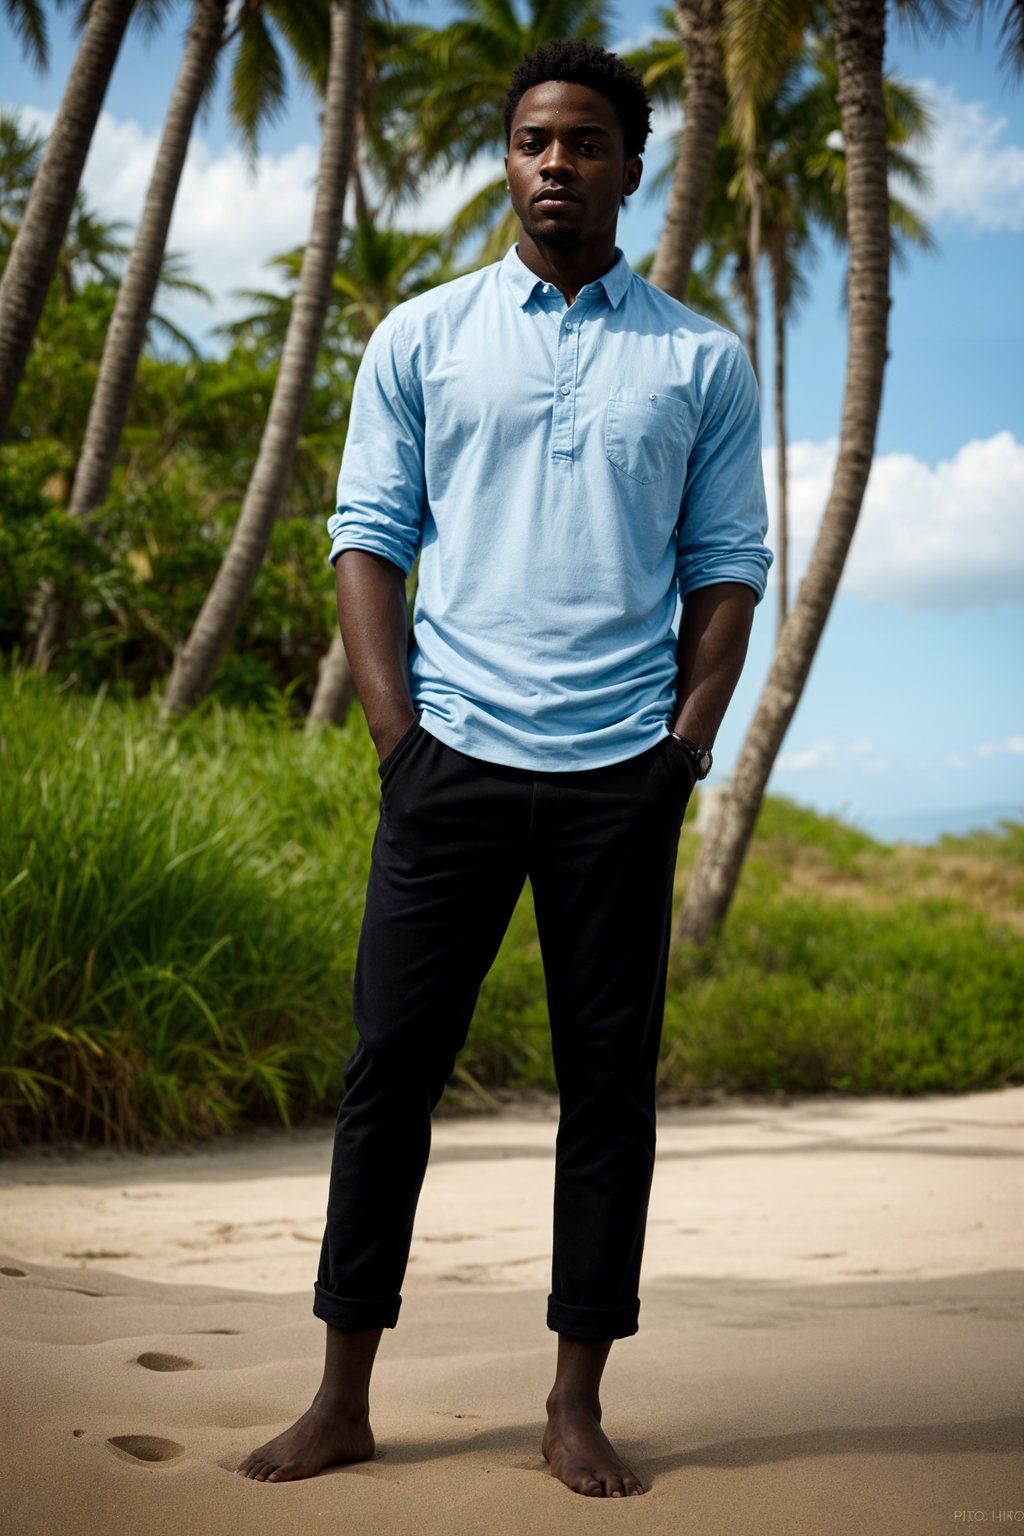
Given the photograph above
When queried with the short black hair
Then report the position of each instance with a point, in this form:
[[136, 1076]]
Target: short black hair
[[585, 64]]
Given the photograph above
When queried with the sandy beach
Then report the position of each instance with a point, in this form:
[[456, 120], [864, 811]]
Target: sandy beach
[[830, 1332]]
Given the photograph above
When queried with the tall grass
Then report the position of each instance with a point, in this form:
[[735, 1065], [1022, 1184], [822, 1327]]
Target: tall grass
[[178, 915], [180, 907]]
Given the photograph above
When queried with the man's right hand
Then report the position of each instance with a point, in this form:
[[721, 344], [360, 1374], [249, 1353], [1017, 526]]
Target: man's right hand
[[374, 616], [386, 741]]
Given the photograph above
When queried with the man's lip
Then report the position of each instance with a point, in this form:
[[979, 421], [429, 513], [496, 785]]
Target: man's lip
[[556, 197]]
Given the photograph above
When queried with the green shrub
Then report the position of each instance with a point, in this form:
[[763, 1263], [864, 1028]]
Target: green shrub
[[178, 914], [180, 908]]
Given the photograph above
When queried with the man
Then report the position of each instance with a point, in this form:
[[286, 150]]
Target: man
[[567, 448]]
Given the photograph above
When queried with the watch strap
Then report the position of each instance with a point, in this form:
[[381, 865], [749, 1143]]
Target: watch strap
[[700, 756]]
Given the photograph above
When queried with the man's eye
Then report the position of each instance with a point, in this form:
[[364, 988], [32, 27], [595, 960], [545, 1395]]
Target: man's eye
[[589, 146]]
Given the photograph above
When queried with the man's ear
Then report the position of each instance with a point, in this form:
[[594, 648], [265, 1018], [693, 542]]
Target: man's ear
[[634, 171]]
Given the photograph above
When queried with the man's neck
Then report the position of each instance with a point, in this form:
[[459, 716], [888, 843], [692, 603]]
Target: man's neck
[[568, 270]]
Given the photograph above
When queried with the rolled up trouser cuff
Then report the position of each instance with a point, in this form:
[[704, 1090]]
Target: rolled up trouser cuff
[[593, 1322], [352, 1312]]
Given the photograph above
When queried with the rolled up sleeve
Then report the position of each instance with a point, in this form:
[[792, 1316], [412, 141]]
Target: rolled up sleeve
[[724, 517], [381, 482]]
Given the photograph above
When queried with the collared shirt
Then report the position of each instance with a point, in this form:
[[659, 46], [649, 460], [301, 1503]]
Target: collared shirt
[[564, 473]]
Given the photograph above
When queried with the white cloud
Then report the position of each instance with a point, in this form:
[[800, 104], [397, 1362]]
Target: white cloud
[[815, 756], [854, 756], [948, 536], [859, 759], [975, 178], [1012, 746], [227, 219]]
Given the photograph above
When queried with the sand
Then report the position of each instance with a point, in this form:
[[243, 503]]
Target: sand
[[830, 1332]]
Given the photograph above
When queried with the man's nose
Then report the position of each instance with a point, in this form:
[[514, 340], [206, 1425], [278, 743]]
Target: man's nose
[[556, 160]]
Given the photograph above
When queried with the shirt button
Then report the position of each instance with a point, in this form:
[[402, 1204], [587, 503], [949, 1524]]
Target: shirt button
[[568, 325], [565, 389], [652, 397]]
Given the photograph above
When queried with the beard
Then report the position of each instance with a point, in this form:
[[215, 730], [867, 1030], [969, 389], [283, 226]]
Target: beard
[[556, 239]]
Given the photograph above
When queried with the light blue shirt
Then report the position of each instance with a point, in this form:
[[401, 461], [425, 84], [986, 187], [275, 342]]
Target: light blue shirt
[[565, 473]]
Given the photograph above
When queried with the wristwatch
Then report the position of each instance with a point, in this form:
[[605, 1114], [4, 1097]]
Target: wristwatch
[[698, 755]]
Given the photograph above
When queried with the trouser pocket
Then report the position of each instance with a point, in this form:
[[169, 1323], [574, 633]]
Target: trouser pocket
[[387, 763]]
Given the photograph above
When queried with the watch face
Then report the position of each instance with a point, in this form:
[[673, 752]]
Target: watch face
[[705, 765]]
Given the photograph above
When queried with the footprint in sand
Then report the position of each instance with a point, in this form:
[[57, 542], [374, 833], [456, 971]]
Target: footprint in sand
[[153, 1360], [7, 1270], [147, 1447]]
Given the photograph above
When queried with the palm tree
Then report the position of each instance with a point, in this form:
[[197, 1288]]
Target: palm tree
[[762, 43], [800, 174], [858, 31], [92, 251], [699, 25], [33, 257], [257, 92], [196, 662], [377, 268], [54, 396], [125, 338], [804, 182]]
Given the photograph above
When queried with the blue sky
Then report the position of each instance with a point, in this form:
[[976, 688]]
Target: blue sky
[[913, 718]]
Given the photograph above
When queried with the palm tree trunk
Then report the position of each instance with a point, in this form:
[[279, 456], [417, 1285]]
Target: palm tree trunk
[[197, 661], [700, 30], [335, 687], [127, 333], [750, 290], [30, 267], [362, 207], [859, 31], [778, 261]]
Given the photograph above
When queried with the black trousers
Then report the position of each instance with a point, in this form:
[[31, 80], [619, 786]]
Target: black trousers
[[456, 840]]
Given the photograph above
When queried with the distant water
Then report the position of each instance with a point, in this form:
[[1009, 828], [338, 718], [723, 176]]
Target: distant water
[[927, 826]]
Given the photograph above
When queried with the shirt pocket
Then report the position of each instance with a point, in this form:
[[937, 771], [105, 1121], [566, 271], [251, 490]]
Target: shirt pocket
[[646, 435]]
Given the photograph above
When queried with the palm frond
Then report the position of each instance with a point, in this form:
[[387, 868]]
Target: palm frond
[[28, 23], [481, 211], [928, 18], [174, 278], [761, 37], [148, 16], [305, 26], [1011, 34], [166, 327], [258, 89]]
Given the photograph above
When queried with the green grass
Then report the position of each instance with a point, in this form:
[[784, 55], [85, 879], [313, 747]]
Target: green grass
[[180, 906], [178, 916]]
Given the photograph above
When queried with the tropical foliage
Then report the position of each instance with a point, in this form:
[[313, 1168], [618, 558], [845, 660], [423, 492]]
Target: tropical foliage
[[179, 914]]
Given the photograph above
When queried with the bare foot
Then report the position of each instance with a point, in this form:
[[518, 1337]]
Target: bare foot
[[323, 1436], [581, 1454]]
